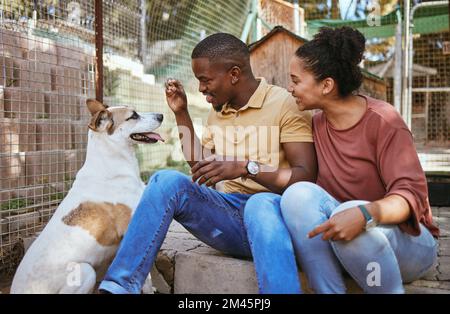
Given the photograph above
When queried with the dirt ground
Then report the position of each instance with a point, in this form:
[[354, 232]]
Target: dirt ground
[[5, 285]]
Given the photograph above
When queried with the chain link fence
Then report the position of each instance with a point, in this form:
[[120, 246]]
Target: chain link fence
[[427, 108], [47, 71], [46, 74]]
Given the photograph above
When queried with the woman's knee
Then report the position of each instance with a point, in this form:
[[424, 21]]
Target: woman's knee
[[366, 246], [298, 197], [347, 205]]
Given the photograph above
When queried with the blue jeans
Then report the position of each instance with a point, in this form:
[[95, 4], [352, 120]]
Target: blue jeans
[[237, 224], [379, 259]]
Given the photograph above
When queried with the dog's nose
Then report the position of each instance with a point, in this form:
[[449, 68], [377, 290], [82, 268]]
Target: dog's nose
[[159, 117]]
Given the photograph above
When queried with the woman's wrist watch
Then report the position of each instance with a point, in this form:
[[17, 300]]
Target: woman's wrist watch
[[370, 221]]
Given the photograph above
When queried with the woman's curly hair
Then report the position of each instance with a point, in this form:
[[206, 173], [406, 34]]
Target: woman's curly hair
[[335, 53]]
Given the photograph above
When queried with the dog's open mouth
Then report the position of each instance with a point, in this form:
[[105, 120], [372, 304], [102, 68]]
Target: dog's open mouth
[[149, 137]]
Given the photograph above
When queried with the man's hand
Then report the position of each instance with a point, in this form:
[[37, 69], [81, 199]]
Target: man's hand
[[345, 225], [175, 96], [212, 171]]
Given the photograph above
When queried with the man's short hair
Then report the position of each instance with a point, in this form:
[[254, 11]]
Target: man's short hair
[[222, 46]]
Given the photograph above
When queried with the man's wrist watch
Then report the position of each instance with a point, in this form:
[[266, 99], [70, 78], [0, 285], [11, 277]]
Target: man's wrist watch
[[253, 168], [370, 221]]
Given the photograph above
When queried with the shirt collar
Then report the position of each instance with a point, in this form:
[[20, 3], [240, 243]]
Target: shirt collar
[[255, 101]]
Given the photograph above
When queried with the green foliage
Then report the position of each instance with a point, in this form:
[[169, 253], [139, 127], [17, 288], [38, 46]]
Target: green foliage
[[11, 82], [16, 203], [56, 196], [181, 166], [111, 81], [17, 8], [171, 15], [145, 175]]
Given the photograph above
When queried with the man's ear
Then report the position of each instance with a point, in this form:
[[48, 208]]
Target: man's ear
[[97, 119], [94, 106], [235, 73]]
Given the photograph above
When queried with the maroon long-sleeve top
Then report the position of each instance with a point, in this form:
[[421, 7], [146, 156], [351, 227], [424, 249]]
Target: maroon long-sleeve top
[[371, 160]]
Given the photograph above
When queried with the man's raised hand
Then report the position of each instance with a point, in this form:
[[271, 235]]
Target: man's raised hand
[[175, 95]]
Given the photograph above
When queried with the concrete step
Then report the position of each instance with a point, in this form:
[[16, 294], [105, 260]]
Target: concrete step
[[205, 270], [186, 265]]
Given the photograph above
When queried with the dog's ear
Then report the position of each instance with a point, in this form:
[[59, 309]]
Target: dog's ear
[[99, 117], [95, 106]]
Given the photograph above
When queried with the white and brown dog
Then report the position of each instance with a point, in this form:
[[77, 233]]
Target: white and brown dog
[[84, 233]]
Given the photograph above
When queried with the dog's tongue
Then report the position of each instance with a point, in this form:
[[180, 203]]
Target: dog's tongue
[[154, 136]]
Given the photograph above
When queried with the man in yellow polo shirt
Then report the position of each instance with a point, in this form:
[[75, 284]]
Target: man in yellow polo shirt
[[256, 143], [258, 131]]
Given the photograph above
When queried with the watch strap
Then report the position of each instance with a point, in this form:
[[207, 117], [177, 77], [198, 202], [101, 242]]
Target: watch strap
[[365, 212]]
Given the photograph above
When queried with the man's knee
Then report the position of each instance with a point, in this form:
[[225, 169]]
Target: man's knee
[[263, 221], [260, 205], [169, 180]]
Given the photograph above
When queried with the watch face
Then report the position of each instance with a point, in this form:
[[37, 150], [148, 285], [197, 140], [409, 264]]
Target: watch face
[[371, 223], [253, 167]]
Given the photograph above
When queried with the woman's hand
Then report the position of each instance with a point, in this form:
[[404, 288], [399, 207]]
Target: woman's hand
[[212, 171], [345, 225]]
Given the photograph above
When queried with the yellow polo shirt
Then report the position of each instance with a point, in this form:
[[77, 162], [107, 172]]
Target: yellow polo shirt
[[256, 132]]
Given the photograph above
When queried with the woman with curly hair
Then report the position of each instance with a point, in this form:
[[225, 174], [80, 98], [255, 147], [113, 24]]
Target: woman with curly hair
[[368, 213]]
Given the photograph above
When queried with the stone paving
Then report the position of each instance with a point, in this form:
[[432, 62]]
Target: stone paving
[[186, 265], [438, 279]]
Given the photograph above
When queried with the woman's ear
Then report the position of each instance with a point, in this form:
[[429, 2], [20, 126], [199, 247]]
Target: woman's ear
[[328, 84]]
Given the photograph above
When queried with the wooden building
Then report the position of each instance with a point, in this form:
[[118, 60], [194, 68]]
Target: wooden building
[[270, 57]]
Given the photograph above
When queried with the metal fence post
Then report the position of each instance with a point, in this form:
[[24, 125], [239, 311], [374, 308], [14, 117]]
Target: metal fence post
[[143, 34], [398, 64], [99, 50], [406, 74]]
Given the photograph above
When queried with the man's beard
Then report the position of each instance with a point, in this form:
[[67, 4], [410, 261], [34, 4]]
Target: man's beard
[[218, 108]]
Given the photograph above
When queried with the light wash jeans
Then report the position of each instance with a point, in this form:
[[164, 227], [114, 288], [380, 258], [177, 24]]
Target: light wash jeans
[[379, 259], [237, 224]]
